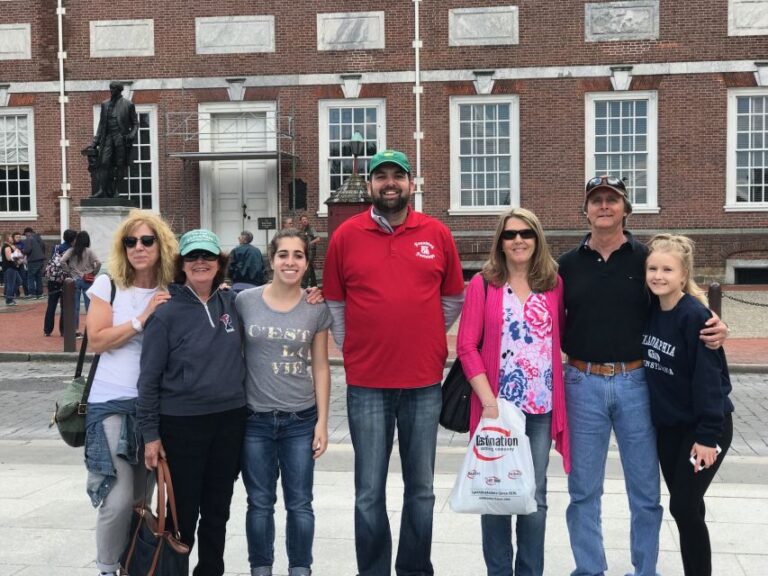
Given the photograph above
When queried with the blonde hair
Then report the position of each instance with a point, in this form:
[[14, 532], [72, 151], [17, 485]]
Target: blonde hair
[[542, 271], [120, 268], [683, 248]]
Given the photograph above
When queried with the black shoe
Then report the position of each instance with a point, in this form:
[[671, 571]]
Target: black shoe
[[47, 334], [78, 334]]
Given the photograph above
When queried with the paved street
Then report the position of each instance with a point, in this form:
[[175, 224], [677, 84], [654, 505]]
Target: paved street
[[46, 523]]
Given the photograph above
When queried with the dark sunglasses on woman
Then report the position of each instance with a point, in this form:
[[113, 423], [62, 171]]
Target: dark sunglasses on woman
[[131, 241], [525, 234], [207, 256]]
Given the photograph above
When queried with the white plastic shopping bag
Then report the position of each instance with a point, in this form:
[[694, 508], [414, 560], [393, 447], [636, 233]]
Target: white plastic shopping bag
[[497, 474]]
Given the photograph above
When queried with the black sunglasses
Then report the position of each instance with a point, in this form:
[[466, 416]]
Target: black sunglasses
[[525, 234], [609, 180], [193, 256], [131, 241]]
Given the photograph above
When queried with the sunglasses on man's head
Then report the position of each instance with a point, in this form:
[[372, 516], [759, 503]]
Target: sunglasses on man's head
[[609, 180], [131, 241], [525, 234], [207, 256]]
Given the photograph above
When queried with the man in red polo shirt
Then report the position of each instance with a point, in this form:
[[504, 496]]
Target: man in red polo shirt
[[394, 284]]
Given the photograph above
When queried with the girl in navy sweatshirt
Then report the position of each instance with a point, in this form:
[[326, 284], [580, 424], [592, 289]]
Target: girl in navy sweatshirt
[[689, 387]]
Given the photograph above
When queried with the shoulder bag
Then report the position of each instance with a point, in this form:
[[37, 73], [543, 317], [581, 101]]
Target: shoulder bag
[[69, 412], [153, 550], [457, 393]]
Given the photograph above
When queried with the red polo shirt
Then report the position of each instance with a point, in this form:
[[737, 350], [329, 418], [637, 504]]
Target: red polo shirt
[[392, 286]]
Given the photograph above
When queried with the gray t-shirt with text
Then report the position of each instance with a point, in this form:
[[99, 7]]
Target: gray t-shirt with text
[[277, 350]]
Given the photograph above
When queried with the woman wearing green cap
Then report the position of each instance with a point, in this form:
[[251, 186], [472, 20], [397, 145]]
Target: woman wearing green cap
[[191, 407]]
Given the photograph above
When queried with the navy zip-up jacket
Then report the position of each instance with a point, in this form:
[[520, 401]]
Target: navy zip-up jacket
[[191, 359]]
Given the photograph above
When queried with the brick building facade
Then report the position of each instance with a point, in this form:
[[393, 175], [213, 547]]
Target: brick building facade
[[498, 104]]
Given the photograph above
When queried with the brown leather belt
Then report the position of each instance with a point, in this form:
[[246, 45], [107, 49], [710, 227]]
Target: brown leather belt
[[606, 369]]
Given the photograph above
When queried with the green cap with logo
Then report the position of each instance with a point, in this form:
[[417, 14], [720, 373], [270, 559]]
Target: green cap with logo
[[389, 157], [199, 239]]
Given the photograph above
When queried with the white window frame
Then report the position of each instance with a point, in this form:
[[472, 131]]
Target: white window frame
[[32, 213], [652, 204], [324, 191], [731, 205], [154, 154], [456, 209]]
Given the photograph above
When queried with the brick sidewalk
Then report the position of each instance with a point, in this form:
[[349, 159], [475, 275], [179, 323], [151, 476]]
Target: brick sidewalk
[[22, 328]]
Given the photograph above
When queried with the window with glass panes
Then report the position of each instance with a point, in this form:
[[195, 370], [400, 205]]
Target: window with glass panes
[[139, 185], [751, 149], [15, 158], [621, 144], [485, 154], [342, 123]]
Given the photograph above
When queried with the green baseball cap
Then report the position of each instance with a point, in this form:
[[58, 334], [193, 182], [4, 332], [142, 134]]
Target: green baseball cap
[[389, 157], [199, 239]]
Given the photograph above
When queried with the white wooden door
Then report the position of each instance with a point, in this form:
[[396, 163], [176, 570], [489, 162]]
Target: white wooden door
[[243, 190]]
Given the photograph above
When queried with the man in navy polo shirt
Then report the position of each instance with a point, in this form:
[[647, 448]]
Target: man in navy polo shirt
[[394, 284], [607, 306]]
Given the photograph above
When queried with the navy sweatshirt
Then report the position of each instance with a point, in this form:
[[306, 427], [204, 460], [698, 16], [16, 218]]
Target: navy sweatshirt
[[688, 382], [191, 359]]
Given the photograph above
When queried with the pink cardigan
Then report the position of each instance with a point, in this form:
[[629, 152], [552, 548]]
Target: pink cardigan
[[482, 319]]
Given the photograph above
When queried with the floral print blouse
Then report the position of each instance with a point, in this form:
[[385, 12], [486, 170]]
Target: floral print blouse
[[525, 372]]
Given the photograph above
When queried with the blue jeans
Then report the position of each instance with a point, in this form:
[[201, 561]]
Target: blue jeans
[[279, 444], [80, 288], [373, 414], [11, 279], [498, 550], [35, 278], [597, 404]]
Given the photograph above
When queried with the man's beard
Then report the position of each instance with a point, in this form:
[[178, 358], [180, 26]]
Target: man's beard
[[386, 206]]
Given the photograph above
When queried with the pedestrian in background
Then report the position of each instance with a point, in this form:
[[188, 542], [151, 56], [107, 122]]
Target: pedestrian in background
[[286, 222], [82, 265], [55, 286], [34, 250], [21, 262], [246, 264], [312, 239], [10, 263]]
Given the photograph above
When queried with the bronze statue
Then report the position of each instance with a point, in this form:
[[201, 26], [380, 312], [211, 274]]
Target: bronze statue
[[118, 127]]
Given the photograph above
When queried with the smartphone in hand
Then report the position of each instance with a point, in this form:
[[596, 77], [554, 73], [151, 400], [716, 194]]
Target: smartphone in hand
[[697, 465]]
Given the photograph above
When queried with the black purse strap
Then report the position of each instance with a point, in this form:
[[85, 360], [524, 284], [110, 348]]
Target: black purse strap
[[94, 364]]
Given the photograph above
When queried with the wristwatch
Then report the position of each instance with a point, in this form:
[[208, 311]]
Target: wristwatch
[[136, 324]]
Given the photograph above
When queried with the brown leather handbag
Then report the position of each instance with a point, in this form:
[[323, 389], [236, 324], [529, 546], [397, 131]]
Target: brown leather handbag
[[153, 550]]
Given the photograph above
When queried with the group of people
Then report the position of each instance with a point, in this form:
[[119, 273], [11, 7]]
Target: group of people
[[220, 383], [24, 259]]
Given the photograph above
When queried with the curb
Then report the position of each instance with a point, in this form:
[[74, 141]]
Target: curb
[[72, 357]]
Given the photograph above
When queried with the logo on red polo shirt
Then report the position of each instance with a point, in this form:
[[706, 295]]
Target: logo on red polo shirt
[[425, 250]]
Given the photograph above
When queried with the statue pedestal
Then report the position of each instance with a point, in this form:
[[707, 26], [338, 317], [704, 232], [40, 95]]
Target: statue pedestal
[[100, 217]]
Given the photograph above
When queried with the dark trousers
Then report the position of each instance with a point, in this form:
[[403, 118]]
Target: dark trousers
[[686, 492], [204, 458], [310, 278], [35, 277], [54, 297]]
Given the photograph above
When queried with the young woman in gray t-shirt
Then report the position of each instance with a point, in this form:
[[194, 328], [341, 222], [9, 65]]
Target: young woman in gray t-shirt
[[287, 428]]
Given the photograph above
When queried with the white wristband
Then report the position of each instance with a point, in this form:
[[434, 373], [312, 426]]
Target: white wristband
[[137, 325]]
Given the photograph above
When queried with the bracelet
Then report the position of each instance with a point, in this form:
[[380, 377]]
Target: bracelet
[[490, 405]]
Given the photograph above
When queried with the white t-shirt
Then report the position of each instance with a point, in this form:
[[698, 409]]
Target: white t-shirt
[[118, 370]]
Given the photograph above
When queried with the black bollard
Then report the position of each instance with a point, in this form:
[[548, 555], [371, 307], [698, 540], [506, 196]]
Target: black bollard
[[68, 313], [715, 297]]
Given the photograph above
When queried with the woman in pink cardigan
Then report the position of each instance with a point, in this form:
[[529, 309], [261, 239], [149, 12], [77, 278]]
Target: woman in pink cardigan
[[509, 347]]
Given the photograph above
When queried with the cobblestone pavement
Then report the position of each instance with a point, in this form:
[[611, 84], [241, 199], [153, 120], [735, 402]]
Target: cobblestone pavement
[[28, 391]]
